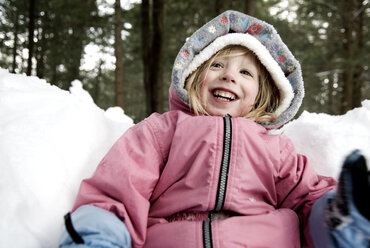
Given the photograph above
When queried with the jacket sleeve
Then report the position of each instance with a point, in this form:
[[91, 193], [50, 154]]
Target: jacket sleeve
[[298, 186], [125, 178], [103, 230]]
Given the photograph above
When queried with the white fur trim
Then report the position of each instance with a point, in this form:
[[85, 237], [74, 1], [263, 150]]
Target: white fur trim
[[248, 41]]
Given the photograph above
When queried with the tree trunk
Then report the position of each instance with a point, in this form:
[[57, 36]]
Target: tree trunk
[[74, 60], [15, 44], [220, 6], [40, 52], [31, 28], [330, 104], [152, 47], [250, 7], [352, 18], [157, 55], [146, 48], [98, 82], [118, 45], [358, 71]]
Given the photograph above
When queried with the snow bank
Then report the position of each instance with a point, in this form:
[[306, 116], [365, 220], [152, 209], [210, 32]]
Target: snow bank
[[327, 139], [51, 139]]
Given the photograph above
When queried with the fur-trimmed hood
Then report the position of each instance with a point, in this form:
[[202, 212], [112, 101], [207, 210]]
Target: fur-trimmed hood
[[232, 27]]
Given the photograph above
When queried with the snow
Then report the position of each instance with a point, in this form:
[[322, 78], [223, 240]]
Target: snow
[[327, 139], [51, 139]]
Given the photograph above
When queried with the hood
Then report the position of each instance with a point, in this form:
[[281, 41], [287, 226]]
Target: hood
[[235, 28], [178, 104]]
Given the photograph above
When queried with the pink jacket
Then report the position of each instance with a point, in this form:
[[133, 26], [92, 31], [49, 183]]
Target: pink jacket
[[179, 180]]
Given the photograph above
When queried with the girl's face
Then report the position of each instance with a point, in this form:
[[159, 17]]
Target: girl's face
[[230, 86]]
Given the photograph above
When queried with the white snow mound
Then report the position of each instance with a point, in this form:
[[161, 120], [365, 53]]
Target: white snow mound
[[50, 140]]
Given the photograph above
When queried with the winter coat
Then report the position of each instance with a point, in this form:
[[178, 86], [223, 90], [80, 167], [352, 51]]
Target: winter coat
[[179, 180]]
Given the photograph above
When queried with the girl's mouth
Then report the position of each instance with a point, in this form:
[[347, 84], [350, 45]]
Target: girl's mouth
[[224, 95]]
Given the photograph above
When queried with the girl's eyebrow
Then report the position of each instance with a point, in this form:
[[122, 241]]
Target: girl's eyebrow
[[219, 58], [249, 65]]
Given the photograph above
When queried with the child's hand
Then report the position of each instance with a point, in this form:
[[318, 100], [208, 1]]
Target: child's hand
[[353, 190]]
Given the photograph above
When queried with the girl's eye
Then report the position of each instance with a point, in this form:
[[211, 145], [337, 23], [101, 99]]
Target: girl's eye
[[245, 72], [216, 65]]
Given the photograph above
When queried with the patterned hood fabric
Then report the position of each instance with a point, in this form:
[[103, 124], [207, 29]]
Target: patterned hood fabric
[[232, 27]]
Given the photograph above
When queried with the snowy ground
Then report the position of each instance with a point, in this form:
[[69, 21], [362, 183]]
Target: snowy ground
[[50, 139]]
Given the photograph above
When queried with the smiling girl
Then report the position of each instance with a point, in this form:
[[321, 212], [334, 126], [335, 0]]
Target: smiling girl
[[208, 173]]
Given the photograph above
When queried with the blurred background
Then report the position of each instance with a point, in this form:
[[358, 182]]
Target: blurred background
[[123, 50]]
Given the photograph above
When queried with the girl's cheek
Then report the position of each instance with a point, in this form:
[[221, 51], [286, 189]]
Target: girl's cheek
[[201, 93]]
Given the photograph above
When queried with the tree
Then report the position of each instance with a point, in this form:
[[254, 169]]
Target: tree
[[146, 51], [31, 29], [250, 7], [41, 45], [220, 6], [329, 40], [15, 40], [54, 33], [118, 44], [352, 14], [152, 46], [157, 54]]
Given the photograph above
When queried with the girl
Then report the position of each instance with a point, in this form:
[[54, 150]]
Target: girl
[[208, 173]]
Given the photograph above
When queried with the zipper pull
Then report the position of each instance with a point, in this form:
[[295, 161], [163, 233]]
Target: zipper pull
[[211, 215]]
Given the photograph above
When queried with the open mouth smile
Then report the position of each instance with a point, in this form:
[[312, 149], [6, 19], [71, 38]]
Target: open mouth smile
[[224, 95]]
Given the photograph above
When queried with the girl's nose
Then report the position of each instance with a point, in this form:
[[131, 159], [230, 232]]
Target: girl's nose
[[228, 77]]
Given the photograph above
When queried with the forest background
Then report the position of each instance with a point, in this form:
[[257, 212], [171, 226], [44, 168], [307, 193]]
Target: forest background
[[123, 51]]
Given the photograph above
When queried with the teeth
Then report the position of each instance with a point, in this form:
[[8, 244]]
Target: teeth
[[224, 95]]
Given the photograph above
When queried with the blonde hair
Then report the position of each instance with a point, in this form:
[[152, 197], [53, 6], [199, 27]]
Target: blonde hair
[[267, 99]]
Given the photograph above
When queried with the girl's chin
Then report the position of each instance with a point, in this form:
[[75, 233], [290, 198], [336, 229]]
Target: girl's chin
[[220, 112], [225, 111]]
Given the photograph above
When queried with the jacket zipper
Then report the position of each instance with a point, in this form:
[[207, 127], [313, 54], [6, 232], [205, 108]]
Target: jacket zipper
[[207, 232], [222, 182]]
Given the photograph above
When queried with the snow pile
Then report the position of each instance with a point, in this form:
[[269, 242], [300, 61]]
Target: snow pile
[[326, 140], [51, 139]]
